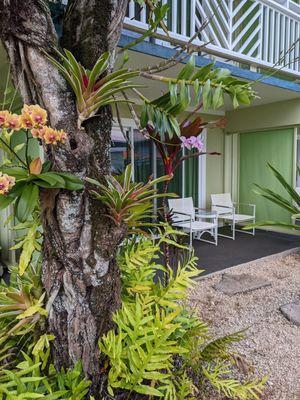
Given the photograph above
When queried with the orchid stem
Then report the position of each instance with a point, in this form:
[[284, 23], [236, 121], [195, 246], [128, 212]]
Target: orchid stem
[[13, 152]]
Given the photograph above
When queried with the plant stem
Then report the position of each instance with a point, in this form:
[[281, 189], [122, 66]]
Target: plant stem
[[166, 245], [26, 149], [13, 152]]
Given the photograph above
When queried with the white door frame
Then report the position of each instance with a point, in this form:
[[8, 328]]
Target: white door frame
[[231, 164], [202, 174]]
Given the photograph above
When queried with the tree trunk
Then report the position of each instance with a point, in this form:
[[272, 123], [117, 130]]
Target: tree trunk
[[79, 272]]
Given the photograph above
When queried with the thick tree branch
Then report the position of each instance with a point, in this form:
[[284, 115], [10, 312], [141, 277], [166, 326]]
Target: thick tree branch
[[92, 27], [80, 274]]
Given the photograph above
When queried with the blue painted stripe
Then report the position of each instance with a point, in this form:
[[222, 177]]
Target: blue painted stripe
[[166, 52]]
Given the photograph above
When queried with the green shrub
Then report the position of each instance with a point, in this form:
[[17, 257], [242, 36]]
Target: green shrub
[[158, 348], [27, 381]]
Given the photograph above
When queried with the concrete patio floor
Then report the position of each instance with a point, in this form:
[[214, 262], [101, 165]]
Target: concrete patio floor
[[245, 248]]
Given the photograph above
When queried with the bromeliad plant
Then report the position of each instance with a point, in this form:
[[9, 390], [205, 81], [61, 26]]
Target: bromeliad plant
[[128, 202], [96, 88], [21, 177]]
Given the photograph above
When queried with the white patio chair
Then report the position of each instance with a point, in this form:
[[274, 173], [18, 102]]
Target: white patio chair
[[190, 219], [226, 210]]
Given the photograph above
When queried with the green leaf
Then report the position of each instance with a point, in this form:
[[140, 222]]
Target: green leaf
[[27, 202], [207, 95], [203, 72], [72, 182], [148, 390], [235, 101], [243, 98], [173, 93], [46, 166], [19, 147], [100, 66], [52, 178], [16, 172], [144, 116], [218, 98], [187, 70], [5, 201]]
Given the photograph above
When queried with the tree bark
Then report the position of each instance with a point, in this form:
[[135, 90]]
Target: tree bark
[[79, 272]]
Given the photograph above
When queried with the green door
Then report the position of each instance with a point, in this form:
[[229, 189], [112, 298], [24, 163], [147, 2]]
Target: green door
[[256, 150]]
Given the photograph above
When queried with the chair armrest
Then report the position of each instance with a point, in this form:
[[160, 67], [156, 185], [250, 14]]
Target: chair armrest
[[182, 213], [253, 206], [244, 204], [219, 205], [230, 209]]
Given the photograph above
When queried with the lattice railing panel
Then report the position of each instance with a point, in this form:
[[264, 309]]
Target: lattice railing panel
[[261, 32]]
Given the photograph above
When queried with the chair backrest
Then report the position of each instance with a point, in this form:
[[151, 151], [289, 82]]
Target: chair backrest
[[221, 199], [183, 205]]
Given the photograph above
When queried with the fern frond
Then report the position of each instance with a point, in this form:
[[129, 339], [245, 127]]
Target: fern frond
[[233, 388], [218, 348]]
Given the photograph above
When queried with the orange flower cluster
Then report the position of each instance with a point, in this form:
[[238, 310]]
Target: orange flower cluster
[[6, 183], [49, 135], [10, 121], [33, 118]]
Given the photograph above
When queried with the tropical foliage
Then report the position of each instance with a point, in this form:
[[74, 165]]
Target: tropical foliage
[[21, 177], [290, 203], [205, 86], [159, 350], [128, 202], [28, 381], [95, 88]]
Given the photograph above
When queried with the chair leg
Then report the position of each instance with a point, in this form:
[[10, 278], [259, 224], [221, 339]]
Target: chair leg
[[216, 235], [233, 230]]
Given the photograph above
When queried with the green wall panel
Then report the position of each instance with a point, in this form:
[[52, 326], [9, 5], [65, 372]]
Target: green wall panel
[[256, 150]]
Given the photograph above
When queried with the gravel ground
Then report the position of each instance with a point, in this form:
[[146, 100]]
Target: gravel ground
[[272, 345]]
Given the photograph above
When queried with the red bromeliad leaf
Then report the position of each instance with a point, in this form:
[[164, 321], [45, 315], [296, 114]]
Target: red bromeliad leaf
[[195, 128], [85, 80]]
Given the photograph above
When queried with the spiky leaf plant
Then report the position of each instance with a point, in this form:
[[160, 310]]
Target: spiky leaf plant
[[93, 88], [128, 202], [290, 203]]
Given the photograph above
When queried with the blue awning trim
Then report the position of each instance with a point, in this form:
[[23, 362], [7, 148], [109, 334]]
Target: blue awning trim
[[156, 50]]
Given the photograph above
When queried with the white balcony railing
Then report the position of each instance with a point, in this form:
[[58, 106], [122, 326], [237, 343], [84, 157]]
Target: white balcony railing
[[264, 33]]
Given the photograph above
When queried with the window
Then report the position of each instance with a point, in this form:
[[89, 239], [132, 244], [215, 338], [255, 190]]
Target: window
[[120, 150]]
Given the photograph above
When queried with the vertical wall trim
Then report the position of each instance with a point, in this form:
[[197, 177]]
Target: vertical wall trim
[[183, 174], [227, 162], [202, 175], [235, 166], [294, 177], [231, 165]]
